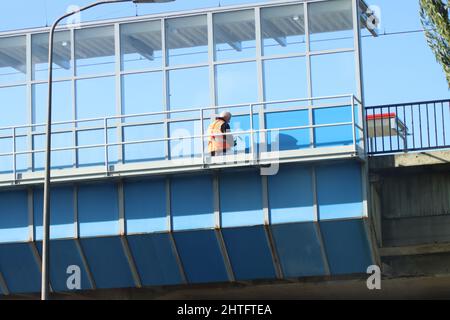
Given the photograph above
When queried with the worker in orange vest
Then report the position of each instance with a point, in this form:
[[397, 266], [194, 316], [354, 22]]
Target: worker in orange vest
[[218, 142]]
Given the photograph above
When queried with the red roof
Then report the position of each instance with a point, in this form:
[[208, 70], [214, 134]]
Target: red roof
[[381, 116]]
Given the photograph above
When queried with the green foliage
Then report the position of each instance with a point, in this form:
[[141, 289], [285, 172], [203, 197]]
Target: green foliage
[[434, 15]]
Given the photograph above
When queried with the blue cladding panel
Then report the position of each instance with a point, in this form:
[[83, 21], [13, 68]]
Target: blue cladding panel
[[62, 213], [288, 139], [13, 216], [64, 253], [145, 206], [107, 261], [249, 253], [290, 195], [155, 260], [339, 190], [192, 202], [298, 249], [19, 268], [201, 257], [347, 246], [240, 199], [98, 211], [336, 135]]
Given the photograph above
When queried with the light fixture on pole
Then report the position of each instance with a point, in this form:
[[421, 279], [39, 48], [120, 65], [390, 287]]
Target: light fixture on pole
[[45, 281]]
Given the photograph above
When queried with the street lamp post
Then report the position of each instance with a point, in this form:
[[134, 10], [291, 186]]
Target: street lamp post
[[45, 281]]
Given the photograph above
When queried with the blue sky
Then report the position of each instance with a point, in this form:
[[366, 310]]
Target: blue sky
[[398, 68]]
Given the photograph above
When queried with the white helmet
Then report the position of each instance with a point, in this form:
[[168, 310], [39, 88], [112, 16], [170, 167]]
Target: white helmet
[[225, 115]]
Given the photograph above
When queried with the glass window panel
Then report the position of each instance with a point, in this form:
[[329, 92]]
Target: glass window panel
[[331, 25], [94, 50], [60, 159], [234, 35], [333, 74], [13, 67], [13, 98], [283, 30], [333, 135], [185, 148], [285, 79], [236, 83], [62, 108], [144, 151], [141, 45], [187, 40], [62, 65], [96, 98], [287, 139], [142, 93], [189, 88]]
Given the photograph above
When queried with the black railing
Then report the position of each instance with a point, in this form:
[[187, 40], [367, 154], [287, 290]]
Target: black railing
[[408, 127]]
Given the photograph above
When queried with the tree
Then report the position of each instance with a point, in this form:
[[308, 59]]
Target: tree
[[434, 15]]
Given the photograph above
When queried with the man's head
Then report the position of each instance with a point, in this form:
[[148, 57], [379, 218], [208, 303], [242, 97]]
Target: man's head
[[225, 115]]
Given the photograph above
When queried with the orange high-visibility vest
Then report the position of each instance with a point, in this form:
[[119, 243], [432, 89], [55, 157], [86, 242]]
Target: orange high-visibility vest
[[217, 141]]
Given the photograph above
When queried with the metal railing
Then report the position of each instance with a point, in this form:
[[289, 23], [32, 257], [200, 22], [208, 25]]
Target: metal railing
[[408, 127], [22, 140]]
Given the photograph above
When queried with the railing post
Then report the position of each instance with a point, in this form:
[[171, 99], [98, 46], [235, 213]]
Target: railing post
[[14, 154], [202, 131], [353, 121], [105, 126], [252, 135]]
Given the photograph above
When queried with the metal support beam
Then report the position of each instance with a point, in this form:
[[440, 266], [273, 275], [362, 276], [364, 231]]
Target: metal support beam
[[78, 242], [3, 285], [218, 229], [268, 230], [131, 262], [13, 63], [323, 251], [170, 233], [85, 264], [123, 237], [222, 36], [58, 59], [142, 48], [272, 31], [38, 260]]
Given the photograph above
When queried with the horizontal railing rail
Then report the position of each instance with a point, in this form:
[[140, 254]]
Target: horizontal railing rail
[[408, 127], [22, 138]]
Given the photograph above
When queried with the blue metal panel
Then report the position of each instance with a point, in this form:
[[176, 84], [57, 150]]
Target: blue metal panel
[[249, 253], [64, 253], [13, 216], [19, 268], [240, 198], [98, 211], [298, 249], [108, 263], [339, 190], [291, 195], [336, 135], [200, 254], [288, 139], [62, 216], [155, 260], [347, 246], [192, 202], [145, 206]]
